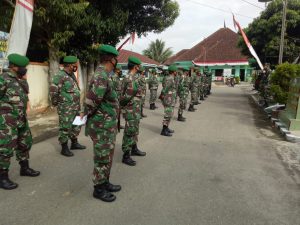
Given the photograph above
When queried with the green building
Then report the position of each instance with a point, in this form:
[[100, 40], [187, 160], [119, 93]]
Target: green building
[[220, 53]]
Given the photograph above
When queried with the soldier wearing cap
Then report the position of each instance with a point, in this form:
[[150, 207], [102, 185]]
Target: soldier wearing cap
[[153, 86], [131, 101], [15, 134], [193, 90], [183, 92], [65, 94], [168, 98], [143, 85], [102, 107]]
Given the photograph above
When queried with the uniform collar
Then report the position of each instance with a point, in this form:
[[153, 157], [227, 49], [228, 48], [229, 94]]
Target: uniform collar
[[12, 74]]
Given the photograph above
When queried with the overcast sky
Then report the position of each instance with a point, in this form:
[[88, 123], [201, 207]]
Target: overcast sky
[[197, 22]]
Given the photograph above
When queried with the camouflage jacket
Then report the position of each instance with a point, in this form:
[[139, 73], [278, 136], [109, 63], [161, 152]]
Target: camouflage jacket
[[117, 84], [65, 91], [131, 97], [193, 82], [13, 100], [142, 84], [184, 83], [153, 82], [101, 104], [169, 91]]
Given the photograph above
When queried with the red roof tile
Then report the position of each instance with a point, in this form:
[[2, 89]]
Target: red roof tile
[[221, 46], [124, 54], [174, 57]]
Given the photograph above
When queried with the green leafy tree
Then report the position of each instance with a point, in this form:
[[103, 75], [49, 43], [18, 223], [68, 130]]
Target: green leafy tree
[[280, 81], [264, 32], [6, 12], [157, 51]]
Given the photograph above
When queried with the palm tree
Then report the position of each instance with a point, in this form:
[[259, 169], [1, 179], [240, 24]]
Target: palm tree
[[157, 51]]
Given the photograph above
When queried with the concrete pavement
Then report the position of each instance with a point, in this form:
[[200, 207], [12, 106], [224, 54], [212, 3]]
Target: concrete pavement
[[220, 167]]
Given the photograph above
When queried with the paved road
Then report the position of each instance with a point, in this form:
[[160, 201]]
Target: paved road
[[219, 168]]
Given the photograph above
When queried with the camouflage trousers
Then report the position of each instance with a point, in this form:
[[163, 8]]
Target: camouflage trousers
[[153, 96], [182, 104], [14, 139], [194, 95], [104, 141], [130, 136], [67, 130], [168, 114]]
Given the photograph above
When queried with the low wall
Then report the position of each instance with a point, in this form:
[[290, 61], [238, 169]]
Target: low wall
[[37, 77]]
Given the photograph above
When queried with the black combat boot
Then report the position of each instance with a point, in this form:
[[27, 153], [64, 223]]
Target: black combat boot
[[112, 187], [191, 108], [152, 107], [65, 150], [128, 160], [76, 146], [25, 170], [100, 192], [181, 118], [170, 130], [165, 132], [142, 113], [5, 182], [202, 98], [135, 151]]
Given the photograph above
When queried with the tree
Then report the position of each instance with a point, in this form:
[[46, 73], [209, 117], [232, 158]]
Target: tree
[[264, 32], [75, 26], [157, 51], [280, 81]]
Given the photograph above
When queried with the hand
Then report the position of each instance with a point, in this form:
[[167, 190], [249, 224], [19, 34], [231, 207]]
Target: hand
[[81, 116]]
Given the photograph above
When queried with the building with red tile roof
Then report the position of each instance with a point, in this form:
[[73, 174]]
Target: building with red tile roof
[[124, 54], [219, 52]]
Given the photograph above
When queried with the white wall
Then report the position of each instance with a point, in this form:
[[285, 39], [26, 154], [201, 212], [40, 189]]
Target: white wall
[[37, 77]]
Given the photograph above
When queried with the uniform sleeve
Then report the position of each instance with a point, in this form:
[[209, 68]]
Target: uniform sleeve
[[2, 86], [95, 93], [55, 89]]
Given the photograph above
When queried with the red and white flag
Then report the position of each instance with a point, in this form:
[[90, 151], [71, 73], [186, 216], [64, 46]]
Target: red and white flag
[[21, 27], [130, 38], [251, 49]]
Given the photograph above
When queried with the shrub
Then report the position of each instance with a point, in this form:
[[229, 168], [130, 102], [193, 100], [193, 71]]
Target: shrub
[[280, 81]]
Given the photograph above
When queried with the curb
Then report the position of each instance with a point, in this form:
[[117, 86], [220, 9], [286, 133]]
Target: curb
[[288, 135]]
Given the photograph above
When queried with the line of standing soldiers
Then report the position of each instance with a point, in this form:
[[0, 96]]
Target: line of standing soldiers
[[179, 83], [106, 98]]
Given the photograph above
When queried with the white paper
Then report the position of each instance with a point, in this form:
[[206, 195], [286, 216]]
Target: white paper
[[79, 122]]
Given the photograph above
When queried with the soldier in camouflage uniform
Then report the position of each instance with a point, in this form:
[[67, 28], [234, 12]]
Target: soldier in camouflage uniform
[[193, 90], [143, 84], [153, 86], [15, 134], [102, 106], [117, 84], [183, 92], [168, 98], [201, 86], [65, 94], [131, 101], [198, 79]]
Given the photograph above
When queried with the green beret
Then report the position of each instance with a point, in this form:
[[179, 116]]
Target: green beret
[[134, 60], [119, 67], [185, 68], [153, 71], [108, 49], [172, 68], [70, 59], [18, 60]]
